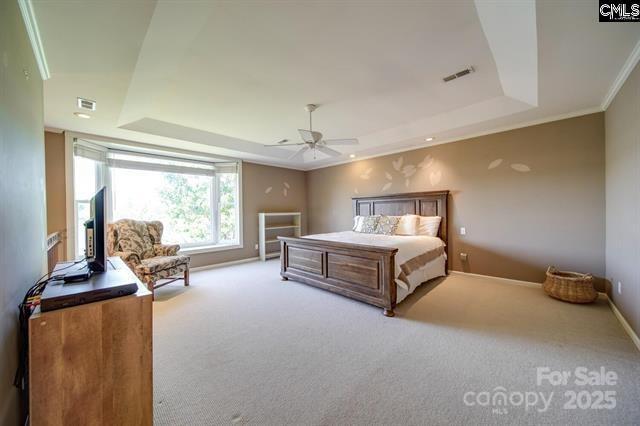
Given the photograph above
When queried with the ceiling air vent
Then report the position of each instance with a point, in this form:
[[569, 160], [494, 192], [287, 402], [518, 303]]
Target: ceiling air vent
[[86, 104], [458, 74]]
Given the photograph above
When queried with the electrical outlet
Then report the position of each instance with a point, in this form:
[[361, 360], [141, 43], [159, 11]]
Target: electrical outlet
[[619, 287], [256, 247], [463, 231]]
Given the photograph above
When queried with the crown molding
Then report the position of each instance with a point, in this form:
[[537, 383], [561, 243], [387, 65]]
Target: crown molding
[[628, 66], [31, 25]]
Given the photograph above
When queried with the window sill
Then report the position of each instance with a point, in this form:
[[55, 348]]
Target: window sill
[[210, 248]]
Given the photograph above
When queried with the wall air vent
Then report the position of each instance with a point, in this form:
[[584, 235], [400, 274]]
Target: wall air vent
[[86, 104], [458, 74]]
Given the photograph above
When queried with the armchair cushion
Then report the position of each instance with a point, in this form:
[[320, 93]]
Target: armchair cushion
[[131, 259], [153, 265], [134, 236], [166, 249]]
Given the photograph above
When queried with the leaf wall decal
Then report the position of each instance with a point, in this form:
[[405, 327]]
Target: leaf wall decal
[[386, 186], [388, 175], [397, 164], [268, 190], [522, 168], [495, 163], [428, 160], [409, 170]]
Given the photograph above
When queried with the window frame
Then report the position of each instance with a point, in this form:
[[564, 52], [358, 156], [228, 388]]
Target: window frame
[[103, 178], [215, 213]]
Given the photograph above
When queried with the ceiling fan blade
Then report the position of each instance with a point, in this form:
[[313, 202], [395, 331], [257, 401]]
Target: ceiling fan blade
[[341, 142], [299, 153], [330, 152], [285, 144]]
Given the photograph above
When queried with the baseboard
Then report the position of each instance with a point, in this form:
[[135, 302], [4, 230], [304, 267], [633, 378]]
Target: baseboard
[[624, 323], [220, 265], [505, 280]]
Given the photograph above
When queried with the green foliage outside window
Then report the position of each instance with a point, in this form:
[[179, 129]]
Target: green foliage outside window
[[188, 201], [188, 204], [227, 187]]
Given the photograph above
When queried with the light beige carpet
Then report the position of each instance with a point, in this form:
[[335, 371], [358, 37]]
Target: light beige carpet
[[241, 347]]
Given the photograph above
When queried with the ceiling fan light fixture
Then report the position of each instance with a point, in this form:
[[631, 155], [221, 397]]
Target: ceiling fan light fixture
[[352, 156], [429, 139], [313, 141]]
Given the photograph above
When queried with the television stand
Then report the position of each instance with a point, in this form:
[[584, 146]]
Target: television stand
[[92, 363]]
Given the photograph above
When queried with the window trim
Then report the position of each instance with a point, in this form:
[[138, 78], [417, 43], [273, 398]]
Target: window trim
[[209, 248], [144, 148]]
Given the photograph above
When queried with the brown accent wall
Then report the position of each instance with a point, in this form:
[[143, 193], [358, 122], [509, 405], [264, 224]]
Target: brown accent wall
[[263, 190], [528, 198], [623, 198], [22, 192], [56, 189]]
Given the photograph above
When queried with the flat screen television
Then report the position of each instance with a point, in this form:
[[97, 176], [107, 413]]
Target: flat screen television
[[96, 233]]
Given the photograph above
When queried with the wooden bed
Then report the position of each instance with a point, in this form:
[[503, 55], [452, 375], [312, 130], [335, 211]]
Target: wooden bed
[[361, 272]]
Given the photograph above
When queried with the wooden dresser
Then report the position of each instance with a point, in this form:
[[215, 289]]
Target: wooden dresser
[[92, 364]]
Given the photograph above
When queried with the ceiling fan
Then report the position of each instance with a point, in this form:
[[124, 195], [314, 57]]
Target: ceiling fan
[[313, 140]]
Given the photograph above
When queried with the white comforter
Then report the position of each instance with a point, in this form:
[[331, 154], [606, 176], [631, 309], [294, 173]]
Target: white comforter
[[408, 247]]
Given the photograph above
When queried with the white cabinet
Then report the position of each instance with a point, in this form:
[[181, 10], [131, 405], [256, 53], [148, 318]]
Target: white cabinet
[[273, 225]]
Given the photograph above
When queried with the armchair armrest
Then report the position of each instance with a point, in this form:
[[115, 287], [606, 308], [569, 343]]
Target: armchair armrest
[[130, 258], [166, 249]]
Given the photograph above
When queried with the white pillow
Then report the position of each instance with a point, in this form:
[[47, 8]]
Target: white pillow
[[358, 221], [408, 225], [429, 225]]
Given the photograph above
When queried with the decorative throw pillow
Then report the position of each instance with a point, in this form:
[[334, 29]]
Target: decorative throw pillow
[[387, 225], [408, 224], [369, 224], [429, 225]]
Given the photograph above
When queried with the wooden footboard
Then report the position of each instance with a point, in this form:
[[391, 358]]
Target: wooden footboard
[[361, 272]]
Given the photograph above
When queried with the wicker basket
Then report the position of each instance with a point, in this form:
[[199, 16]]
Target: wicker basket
[[569, 286]]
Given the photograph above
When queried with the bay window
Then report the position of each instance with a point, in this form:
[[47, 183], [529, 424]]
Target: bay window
[[196, 200]]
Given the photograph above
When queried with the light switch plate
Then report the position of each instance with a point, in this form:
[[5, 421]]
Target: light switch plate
[[619, 287], [463, 231]]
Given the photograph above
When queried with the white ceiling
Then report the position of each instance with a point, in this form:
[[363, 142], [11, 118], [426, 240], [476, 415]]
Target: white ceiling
[[228, 77]]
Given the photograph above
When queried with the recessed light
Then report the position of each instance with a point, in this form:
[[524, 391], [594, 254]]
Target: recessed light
[[429, 139], [82, 115], [352, 156]]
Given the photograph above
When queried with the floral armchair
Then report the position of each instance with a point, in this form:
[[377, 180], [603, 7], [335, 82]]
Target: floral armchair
[[139, 245]]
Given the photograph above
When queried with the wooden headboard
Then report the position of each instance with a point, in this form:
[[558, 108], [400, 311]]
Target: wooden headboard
[[421, 203]]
